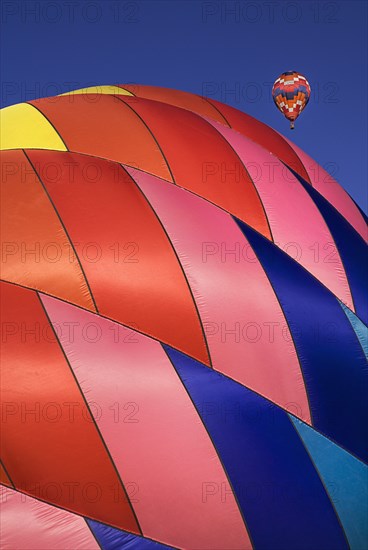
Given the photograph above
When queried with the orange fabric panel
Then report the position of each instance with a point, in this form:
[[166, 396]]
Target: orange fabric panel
[[36, 251], [185, 100], [263, 135], [202, 161], [4, 479], [52, 448], [104, 126], [134, 274]]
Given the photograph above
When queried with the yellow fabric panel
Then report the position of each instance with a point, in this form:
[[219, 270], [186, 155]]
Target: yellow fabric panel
[[22, 126], [100, 90]]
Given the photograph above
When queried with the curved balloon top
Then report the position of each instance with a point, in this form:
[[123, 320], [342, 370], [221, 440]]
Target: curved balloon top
[[183, 331], [291, 92]]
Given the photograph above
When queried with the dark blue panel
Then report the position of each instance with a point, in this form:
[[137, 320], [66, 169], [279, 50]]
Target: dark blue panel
[[333, 362], [282, 499], [352, 248], [110, 538]]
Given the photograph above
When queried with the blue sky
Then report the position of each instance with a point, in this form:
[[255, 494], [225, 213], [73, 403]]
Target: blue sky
[[229, 50]]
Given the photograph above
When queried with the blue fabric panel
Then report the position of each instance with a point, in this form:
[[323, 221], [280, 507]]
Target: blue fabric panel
[[281, 496], [346, 480], [332, 361], [110, 538]]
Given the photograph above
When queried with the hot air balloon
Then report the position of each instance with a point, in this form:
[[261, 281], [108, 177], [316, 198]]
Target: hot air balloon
[[291, 92], [184, 348]]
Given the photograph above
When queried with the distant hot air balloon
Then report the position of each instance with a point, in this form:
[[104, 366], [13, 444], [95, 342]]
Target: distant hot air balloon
[[291, 92]]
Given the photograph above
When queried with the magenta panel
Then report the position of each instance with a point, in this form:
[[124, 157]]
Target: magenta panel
[[29, 524], [245, 327], [154, 434], [297, 226]]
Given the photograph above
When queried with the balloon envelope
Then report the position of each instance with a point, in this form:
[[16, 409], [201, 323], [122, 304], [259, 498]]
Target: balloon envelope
[[291, 92], [184, 310]]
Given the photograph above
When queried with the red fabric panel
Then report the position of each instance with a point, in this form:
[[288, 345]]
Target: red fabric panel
[[202, 161], [185, 100], [36, 252], [104, 126], [129, 262], [50, 446], [4, 477]]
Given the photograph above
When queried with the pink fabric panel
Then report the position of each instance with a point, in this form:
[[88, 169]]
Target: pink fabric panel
[[332, 191], [156, 439], [297, 226], [29, 524], [244, 324]]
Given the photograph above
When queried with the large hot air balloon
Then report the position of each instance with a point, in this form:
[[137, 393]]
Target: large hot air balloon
[[291, 92], [184, 323]]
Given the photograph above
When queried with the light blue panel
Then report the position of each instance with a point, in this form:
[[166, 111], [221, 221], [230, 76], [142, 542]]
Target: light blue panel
[[359, 327], [346, 480]]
